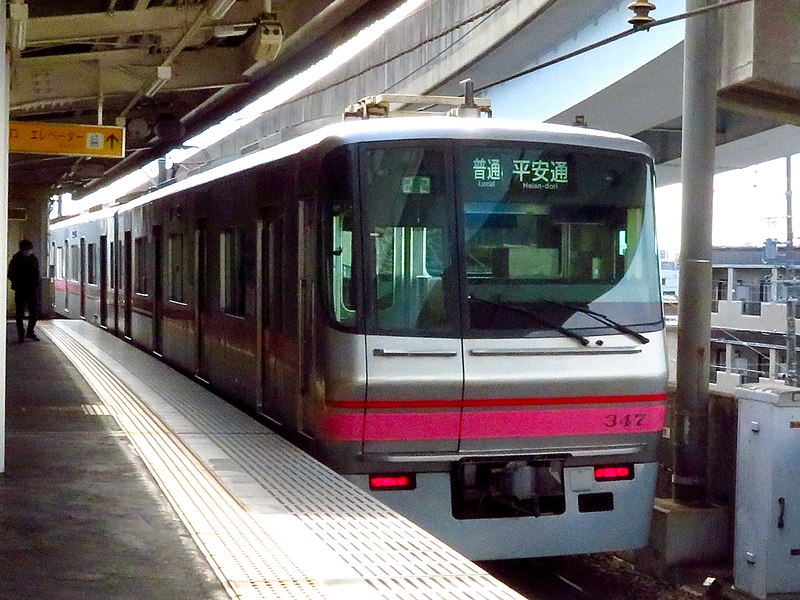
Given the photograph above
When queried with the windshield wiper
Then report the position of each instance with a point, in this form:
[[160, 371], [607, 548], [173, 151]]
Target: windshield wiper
[[603, 319], [541, 320]]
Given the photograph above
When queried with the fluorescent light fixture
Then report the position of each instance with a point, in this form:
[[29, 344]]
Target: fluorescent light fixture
[[18, 25], [164, 75], [226, 31], [294, 85], [113, 191], [216, 9], [154, 87], [282, 93]]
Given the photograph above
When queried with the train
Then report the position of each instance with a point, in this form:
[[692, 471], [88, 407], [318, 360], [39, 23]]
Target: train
[[462, 316]]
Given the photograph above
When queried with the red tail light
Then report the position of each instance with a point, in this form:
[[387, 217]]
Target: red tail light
[[613, 472], [402, 481]]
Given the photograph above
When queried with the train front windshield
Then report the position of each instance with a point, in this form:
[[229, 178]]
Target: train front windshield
[[499, 240]]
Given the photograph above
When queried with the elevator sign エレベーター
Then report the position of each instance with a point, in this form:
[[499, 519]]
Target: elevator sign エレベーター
[[67, 139]]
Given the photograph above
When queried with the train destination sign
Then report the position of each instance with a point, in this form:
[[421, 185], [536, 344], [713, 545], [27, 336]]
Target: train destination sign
[[67, 139], [525, 174]]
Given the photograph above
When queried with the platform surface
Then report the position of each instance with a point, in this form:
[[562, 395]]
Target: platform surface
[[125, 479]]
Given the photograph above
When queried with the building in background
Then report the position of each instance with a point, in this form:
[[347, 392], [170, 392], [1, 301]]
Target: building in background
[[748, 318]]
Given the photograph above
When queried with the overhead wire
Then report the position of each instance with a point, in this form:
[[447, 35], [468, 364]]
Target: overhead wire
[[487, 12]]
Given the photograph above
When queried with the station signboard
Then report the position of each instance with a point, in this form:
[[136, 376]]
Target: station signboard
[[66, 139]]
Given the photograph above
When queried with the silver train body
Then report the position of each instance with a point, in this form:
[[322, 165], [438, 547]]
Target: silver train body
[[462, 315]]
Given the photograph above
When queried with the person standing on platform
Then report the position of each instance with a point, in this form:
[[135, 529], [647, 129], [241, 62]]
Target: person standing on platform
[[23, 271]]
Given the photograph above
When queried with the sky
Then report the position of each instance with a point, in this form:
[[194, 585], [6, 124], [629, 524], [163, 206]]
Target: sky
[[749, 207]]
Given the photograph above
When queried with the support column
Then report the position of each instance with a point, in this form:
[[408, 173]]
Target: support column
[[690, 415], [731, 284], [773, 286], [773, 363], [4, 69]]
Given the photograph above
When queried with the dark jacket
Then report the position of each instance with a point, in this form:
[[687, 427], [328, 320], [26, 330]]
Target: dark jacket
[[23, 271]]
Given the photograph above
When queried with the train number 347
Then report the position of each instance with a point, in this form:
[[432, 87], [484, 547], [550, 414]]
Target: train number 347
[[626, 420]]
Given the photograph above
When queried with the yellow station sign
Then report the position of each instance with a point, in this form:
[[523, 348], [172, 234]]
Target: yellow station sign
[[71, 140]]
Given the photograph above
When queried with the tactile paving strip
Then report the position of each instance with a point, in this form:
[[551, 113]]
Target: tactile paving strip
[[292, 528]]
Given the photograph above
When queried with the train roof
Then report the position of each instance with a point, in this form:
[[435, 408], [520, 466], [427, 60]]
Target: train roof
[[388, 129], [439, 127]]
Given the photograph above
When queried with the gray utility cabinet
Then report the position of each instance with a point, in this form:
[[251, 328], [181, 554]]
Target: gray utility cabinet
[[767, 536]]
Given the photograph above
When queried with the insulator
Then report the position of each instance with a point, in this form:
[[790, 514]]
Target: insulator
[[641, 18]]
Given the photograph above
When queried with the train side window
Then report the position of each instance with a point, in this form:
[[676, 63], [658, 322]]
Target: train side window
[[91, 264], [232, 272], [112, 258], [74, 263], [140, 258], [60, 262], [336, 175], [177, 272]]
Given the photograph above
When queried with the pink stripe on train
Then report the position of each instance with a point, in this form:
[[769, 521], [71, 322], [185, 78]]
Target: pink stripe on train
[[480, 424]]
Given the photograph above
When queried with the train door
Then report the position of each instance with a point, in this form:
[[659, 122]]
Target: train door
[[273, 313], [261, 315], [67, 275], [158, 288], [200, 265], [115, 274], [82, 277], [306, 255], [104, 281], [127, 271], [414, 351]]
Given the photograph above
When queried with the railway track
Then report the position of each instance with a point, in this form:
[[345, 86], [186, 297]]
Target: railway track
[[594, 577]]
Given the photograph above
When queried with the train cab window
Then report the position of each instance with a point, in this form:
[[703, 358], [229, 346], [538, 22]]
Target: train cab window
[[177, 270], [232, 275], [408, 224], [140, 266], [550, 232]]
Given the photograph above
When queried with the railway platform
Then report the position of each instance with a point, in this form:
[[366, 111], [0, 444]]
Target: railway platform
[[125, 479]]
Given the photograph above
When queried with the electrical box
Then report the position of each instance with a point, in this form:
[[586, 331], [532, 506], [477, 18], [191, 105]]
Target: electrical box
[[767, 536]]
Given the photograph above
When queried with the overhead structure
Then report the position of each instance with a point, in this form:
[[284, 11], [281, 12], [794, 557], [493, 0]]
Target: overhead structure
[[158, 68]]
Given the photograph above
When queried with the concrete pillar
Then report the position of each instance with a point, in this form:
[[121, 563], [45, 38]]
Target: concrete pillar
[[690, 415], [4, 69], [773, 363], [773, 286], [731, 284]]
